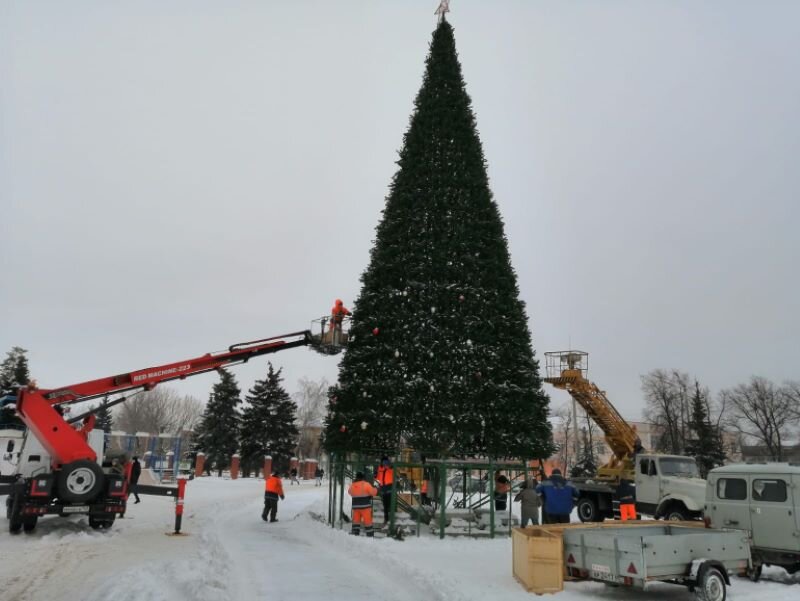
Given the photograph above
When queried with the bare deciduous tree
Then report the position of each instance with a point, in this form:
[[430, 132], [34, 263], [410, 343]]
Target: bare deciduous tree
[[563, 434], [762, 412], [161, 410], [312, 400], [668, 398]]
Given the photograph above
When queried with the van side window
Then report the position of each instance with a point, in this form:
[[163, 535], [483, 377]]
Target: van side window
[[653, 470], [10, 446], [734, 489], [769, 490], [644, 466]]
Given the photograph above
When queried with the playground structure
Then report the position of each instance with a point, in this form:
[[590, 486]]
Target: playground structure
[[460, 494]]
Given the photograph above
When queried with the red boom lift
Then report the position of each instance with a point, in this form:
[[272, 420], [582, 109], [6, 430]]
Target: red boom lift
[[74, 482]]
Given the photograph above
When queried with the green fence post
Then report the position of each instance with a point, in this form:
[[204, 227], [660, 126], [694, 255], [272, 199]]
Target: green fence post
[[442, 498], [491, 499]]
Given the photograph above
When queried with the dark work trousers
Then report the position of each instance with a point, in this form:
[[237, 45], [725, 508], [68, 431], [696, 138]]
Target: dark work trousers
[[134, 490], [557, 518], [270, 509], [386, 499]]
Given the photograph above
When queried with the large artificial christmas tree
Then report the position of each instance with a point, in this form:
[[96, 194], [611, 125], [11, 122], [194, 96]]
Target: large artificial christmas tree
[[268, 424], [217, 435], [440, 355]]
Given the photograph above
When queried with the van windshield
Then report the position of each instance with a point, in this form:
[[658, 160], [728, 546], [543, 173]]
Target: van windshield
[[672, 466]]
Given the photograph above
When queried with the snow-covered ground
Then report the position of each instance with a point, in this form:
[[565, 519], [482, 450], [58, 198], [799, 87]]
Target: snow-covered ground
[[231, 554]]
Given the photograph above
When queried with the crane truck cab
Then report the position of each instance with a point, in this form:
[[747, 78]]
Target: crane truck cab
[[667, 486], [764, 500]]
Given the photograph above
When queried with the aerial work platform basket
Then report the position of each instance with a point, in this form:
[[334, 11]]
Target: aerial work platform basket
[[330, 336]]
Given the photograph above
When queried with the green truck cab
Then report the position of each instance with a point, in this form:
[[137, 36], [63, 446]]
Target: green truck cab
[[764, 500]]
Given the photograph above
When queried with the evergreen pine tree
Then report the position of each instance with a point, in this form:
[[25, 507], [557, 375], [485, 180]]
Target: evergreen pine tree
[[268, 423], [13, 374], [104, 418], [440, 355], [706, 447], [217, 435]]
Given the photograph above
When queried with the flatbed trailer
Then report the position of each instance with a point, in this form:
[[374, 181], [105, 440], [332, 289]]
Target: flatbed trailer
[[698, 558]]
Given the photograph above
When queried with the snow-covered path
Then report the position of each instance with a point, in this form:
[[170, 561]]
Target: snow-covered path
[[232, 555]]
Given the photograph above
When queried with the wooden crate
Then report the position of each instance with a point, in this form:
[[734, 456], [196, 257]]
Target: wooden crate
[[538, 560]]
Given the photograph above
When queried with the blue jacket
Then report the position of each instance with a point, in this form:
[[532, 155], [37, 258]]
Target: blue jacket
[[559, 496]]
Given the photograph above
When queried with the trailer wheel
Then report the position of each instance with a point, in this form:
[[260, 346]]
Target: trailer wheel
[[79, 481], [711, 586], [587, 510]]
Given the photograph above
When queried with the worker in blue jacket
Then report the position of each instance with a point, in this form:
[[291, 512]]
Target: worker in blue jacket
[[558, 497]]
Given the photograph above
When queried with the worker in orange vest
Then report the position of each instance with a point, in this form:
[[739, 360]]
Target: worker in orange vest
[[423, 491], [338, 313], [362, 493], [385, 476], [273, 491]]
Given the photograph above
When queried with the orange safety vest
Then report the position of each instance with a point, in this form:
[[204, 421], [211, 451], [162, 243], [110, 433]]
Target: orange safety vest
[[385, 475], [274, 487], [362, 493], [338, 312], [424, 488]]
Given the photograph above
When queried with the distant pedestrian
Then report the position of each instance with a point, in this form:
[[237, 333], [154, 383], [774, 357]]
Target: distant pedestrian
[[136, 471], [558, 498], [529, 503], [362, 493], [318, 473], [273, 491], [293, 476]]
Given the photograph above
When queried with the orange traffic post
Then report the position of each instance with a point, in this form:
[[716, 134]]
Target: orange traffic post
[[179, 504]]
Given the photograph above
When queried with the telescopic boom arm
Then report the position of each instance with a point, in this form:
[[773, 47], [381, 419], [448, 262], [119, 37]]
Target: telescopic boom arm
[[36, 406]]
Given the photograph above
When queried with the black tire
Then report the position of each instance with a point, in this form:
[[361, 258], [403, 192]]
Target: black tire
[[100, 524], [80, 481], [711, 585], [676, 513], [29, 524], [587, 510], [14, 507]]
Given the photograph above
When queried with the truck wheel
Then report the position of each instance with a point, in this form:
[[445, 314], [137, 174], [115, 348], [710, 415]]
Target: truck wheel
[[587, 510], [711, 586], [14, 507], [676, 513], [29, 524], [79, 481]]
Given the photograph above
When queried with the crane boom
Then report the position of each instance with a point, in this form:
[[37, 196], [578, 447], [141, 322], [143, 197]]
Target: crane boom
[[37, 407], [566, 370]]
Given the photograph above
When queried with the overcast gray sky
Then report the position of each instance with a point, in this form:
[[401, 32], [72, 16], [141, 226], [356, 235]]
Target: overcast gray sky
[[176, 177]]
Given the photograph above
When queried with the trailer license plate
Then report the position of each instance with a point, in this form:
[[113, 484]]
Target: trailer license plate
[[75, 509], [601, 572]]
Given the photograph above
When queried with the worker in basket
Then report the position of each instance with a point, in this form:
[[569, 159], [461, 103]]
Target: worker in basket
[[338, 313]]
